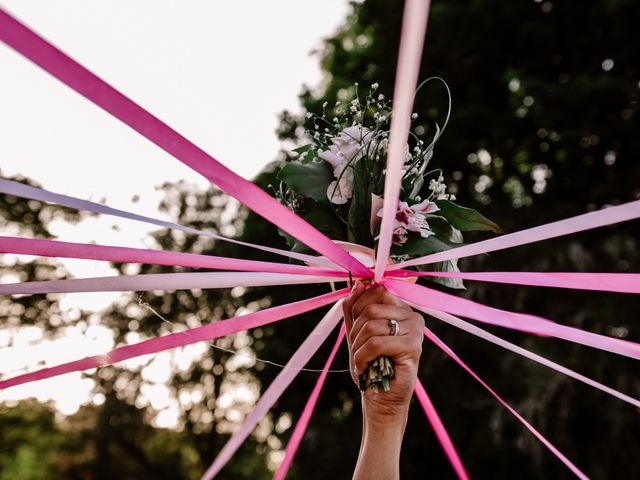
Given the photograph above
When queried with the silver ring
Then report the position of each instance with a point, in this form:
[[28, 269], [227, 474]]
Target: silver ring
[[395, 328]]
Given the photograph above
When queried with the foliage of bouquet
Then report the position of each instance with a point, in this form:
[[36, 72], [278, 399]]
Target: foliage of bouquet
[[336, 183]]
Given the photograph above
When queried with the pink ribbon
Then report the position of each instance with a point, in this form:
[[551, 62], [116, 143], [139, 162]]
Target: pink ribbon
[[277, 387], [440, 431], [303, 422], [425, 297], [604, 282], [431, 336], [414, 28], [174, 340], [162, 281], [26, 191], [579, 223], [54, 248], [71, 73], [472, 329]]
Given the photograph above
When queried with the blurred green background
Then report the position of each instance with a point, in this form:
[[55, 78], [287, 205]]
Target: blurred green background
[[544, 126]]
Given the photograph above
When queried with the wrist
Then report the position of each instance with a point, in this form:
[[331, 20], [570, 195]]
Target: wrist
[[381, 416]]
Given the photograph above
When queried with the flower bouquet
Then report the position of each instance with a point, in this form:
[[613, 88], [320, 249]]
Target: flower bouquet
[[335, 182]]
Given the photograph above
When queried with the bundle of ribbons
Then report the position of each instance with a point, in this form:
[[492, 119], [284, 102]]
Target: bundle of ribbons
[[332, 265]]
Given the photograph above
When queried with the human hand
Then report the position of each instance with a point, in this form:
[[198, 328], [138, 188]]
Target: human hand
[[367, 313]]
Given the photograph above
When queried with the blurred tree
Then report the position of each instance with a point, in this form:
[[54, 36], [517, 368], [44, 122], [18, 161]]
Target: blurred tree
[[544, 126]]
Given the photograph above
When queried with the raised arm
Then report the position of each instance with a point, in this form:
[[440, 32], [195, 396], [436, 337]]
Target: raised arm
[[368, 313]]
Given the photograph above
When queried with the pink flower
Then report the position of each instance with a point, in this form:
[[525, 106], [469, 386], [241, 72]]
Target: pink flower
[[408, 219], [346, 150], [340, 191]]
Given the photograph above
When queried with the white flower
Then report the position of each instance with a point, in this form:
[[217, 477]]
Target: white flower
[[374, 86], [437, 187], [324, 105], [339, 192], [309, 115], [380, 97], [414, 115]]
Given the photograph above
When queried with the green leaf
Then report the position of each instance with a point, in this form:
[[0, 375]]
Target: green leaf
[[310, 180], [360, 210], [443, 229], [310, 153], [465, 219], [303, 148], [325, 219], [418, 246], [447, 266]]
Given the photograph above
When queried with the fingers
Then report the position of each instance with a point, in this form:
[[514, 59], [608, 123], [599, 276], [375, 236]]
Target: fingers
[[409, 323], [408, 347], [377, 311], [375, 294], [356, 291]]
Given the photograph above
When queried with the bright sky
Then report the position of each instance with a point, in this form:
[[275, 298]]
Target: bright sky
[[218, 72]]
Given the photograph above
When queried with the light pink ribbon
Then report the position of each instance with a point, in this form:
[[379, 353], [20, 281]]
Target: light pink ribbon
[[414, 28], [436, 300], [579, 223], [71, 73], [477, 331], [21, 190], [440, 431], [431, 336], [277, 387], [54, 248], [174, 340], [162, 281], [303, 421], [603, 282]]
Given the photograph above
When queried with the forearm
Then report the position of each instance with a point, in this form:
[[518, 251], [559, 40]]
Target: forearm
[[379, 457]]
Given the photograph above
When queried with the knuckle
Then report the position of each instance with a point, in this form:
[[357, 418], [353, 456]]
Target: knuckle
[[357, 360], [374, 344], [368, 329], [369, 311], [388, 298], [416, 349]]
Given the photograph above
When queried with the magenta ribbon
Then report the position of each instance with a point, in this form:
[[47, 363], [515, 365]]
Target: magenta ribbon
[[303, 422], [579, 223], [21, 190], [414, 29], [603, 282], [477, 331], [54, 248], [161, 281], [426, 297], [278, 386], [440, 431], [174, 340], [71, 73], [431, 336]]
